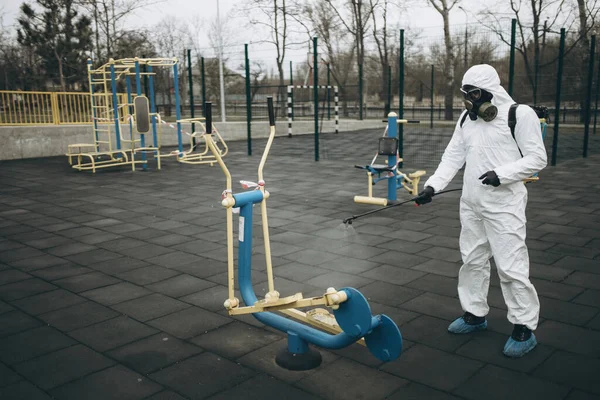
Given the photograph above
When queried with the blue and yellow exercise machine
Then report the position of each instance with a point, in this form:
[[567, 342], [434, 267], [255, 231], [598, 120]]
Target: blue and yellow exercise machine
[[396, 179], [351, 320]]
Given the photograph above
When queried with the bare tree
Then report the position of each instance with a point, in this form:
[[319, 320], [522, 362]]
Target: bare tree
[[340, 52], [444, 7]]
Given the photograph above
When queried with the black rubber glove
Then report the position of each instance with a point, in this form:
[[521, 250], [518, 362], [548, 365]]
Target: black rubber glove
[[490, 178], [425, 196]]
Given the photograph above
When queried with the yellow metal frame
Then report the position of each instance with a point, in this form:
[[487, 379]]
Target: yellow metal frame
[[192, 157]]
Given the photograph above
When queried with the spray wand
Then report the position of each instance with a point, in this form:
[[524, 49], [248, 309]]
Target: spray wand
[[352, 218]]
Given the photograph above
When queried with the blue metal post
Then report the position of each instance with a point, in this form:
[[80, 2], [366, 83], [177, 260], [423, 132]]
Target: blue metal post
[[152, 105], [392, 133], [113, 82], [177, 107], [138, 90], [296, 344]]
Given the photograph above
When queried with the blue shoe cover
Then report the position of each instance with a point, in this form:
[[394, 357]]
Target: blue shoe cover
[[515, 349], [460, 326]]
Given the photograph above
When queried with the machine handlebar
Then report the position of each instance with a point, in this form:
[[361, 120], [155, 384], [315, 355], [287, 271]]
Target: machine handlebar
[[271, 111], [208, 117]]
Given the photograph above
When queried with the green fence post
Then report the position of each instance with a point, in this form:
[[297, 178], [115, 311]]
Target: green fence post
[[248, 101], [203, 78], [431, 111], [596, 103], [316, 96], [511, 67], [360, 91], [191, 90], [401, 99], [561, 56], [588, 97], [328, 92]]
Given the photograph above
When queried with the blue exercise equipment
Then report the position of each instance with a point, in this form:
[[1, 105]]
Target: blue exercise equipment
[[352, 320]]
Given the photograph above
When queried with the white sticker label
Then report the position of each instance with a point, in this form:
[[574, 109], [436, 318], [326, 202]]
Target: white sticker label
[[241, 228]]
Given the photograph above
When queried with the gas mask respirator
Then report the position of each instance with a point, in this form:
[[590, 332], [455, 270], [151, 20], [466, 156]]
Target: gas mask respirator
[[478, 103]]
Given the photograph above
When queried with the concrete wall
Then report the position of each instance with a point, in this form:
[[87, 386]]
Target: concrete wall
[[52, 140]]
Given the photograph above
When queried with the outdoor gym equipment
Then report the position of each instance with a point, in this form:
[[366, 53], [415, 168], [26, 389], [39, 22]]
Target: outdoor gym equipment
[[108, 111], [351, 320], [203, 157], [388, 146]]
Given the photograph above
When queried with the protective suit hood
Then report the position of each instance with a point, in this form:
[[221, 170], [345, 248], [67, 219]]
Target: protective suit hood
[[484, 76]]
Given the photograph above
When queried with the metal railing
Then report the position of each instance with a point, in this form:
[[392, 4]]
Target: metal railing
[[51, 108]]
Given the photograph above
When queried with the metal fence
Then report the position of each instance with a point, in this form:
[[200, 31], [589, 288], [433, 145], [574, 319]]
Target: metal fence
[[50, 108]]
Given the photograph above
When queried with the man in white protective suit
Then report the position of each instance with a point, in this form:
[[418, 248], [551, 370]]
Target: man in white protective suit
[[492, 205]]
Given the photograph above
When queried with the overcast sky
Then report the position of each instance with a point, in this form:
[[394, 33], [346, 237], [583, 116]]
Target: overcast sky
[[204, 11]]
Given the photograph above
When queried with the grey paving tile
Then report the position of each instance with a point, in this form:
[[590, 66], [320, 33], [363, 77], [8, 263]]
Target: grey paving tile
[[77, 316], [153, 353], [498, 383], [572, 370], [434, 283], [433, 332], [578, 264], [344, 379], [115, 382], [60, 271], [235, 339], [93, 257], [12, 275], [563, 311], [25, 288], [171, 239], [584, 280], [435, 305], [433, 367], [51, 241], [84, 282], [311, 257], [398, 259], [359, 251], [70, 249], [388, 293], [34, 263], [415, 391], [48, 301], [23, 390], [203, 370], [180, 285], [395, 275], [589, 298], [117, 293], [338, 280], [147, 275], [579, 395], [210, 299], [32, 343], [16, 321], [145, 252], [560, 335], [439, 267], [198, 247], [150, 307], [22, 253], [298, 272], [10, 245], [261, 387], [8, 376], [112, 333], [189, 322], [62, 366]]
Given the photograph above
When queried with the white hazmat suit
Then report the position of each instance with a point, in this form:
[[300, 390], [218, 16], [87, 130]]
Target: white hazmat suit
[[493, 218]]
